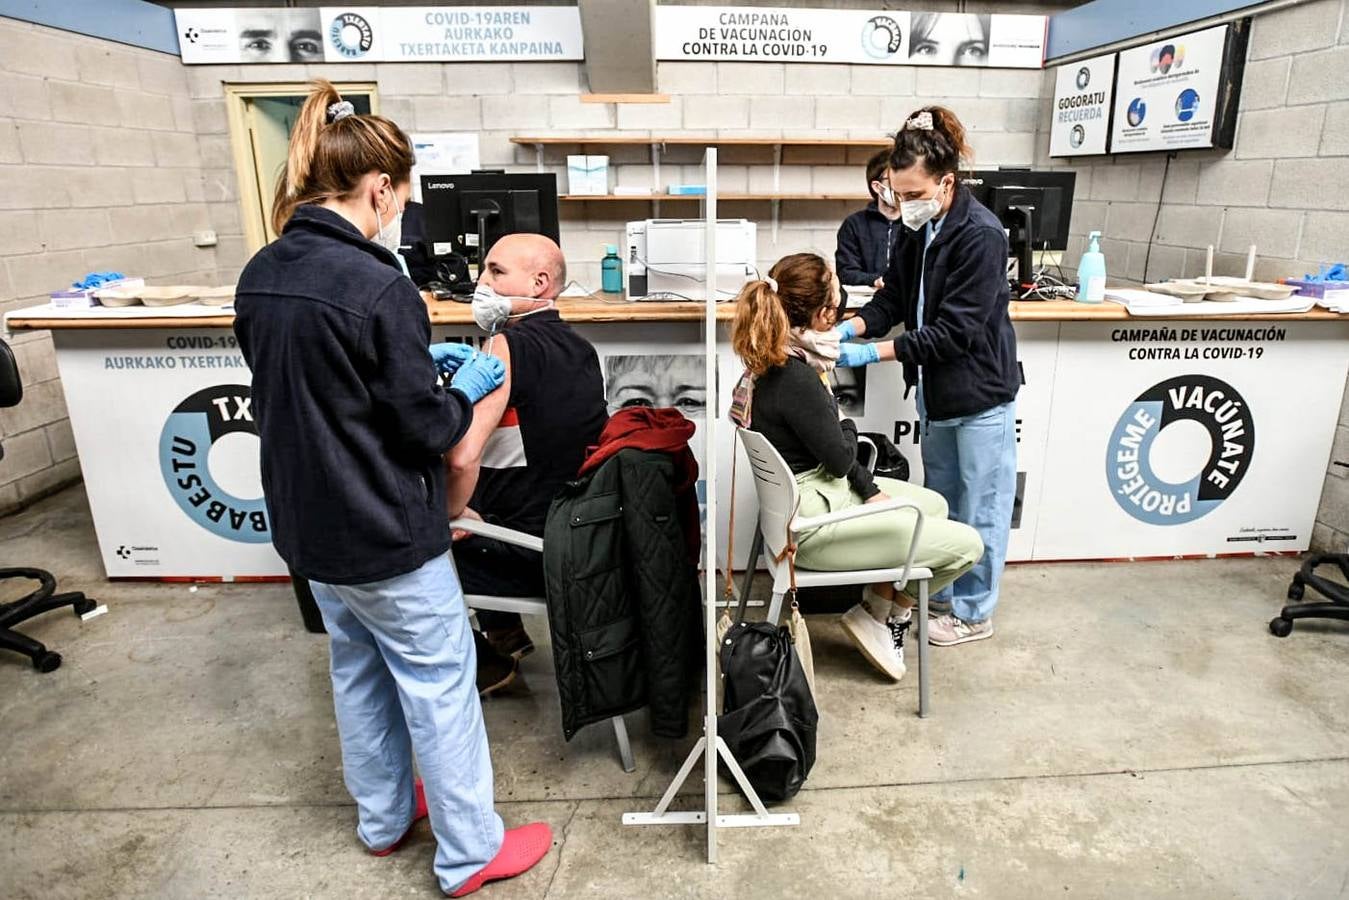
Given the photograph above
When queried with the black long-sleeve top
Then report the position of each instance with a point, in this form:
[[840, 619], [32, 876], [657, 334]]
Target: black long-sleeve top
[[794, 409], [865, 243]]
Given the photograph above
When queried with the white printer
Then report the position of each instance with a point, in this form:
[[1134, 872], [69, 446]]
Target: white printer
[[666, 258]]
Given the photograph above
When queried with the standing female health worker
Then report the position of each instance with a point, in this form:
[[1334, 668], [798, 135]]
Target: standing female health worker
[[947, 284], [353, 424]]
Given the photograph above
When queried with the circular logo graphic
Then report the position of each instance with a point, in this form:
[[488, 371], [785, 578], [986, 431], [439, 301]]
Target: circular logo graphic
[[350, 35], [1138, 110], [881, 37], [1129, 466], [1077, 136], [184, 459], [1187, 104], [192, 35], [1083, 78]]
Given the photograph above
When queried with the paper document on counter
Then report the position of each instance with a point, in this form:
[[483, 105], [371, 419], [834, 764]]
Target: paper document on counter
[[1134, 297]]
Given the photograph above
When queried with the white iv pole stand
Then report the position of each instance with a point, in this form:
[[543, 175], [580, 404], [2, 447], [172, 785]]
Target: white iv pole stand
[[662, 815]]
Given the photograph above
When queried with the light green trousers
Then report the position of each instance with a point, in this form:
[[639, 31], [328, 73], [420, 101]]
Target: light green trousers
[[881, 541]]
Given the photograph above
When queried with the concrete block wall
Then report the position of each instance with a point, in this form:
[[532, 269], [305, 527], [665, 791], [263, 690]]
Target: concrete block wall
[[99, 169], [763, 100], [1282, 188]]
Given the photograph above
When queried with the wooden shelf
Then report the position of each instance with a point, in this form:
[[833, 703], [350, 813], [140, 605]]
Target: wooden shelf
[[721, 198], [627, 140]]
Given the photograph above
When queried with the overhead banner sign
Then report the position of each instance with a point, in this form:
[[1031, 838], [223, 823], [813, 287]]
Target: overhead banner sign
[[876, 37], [1083, 97], [380, 34], [1168, 94]]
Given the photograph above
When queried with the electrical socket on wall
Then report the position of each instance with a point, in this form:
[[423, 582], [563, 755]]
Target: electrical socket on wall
[[204, 238]]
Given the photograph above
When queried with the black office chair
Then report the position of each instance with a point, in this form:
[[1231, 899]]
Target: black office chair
[[45, 598], [1335, 592]]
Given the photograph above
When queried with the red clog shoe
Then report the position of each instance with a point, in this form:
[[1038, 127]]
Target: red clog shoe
[[521, 849], [417, 816]]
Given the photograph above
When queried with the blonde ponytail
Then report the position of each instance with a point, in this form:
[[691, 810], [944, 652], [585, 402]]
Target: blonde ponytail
[[760, 328], [798, 286], [329, 155]]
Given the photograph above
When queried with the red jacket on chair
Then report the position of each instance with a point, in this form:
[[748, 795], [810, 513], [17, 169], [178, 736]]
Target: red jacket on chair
[[662, 431]]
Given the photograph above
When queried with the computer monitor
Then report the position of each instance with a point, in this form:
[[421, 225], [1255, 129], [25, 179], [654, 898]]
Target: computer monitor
[[467, 214], [1034, 207]]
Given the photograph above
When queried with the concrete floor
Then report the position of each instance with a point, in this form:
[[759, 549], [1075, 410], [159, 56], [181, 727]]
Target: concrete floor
[[1132, 731]]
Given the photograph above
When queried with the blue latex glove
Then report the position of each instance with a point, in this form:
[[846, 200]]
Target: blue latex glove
[[853, 355], [450, 356], [847, 329], [478, 376], [97, 279]]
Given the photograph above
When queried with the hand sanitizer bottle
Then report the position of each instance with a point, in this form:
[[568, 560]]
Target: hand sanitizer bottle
[[611, 271], [1091, 272]]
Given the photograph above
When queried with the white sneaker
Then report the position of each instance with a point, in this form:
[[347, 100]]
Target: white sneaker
[[949, 630], [874, 640], [898, 625]]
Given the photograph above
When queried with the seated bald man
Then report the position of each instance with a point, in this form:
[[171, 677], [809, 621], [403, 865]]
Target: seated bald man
[[528, 437]]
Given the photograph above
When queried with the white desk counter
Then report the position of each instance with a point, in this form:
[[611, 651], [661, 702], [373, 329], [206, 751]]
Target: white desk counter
[[1137, 437]]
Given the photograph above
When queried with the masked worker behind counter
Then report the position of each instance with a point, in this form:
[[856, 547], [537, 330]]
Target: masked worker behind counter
[[353, 423]]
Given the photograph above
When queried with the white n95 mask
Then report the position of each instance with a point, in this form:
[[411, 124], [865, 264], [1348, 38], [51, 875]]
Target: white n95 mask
[[492, 310], [917, 213], [391, 237]]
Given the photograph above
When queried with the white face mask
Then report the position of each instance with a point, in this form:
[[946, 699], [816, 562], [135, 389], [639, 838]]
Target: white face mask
[[492, 310], [391, 237], [887, 196], [917, 213]]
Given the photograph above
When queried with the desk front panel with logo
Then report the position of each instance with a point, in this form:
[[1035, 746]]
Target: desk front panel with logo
[[1135, 438], [1189, 437]]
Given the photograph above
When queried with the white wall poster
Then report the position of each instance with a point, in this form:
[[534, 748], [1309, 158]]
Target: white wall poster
[[1167, 93], [1083, 97], [442, 153], [876, 37], [379, 34]]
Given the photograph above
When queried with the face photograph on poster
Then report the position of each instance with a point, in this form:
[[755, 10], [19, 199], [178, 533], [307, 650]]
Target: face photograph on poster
[[849, 386], [657, 381], [279, 35], [949, 39]]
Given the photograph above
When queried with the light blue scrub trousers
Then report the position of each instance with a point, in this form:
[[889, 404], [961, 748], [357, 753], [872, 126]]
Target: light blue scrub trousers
[[404, 679], [971, 461]]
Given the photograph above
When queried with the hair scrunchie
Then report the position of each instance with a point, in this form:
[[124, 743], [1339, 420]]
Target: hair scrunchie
[[771, 282], [340, 110], [922, 122]]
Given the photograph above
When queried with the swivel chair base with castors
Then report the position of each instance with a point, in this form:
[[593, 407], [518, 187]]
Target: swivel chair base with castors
[[1335, 592], [44, 599]]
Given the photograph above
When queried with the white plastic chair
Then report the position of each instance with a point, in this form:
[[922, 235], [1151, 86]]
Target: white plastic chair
[[782, 527], [530, 606]]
